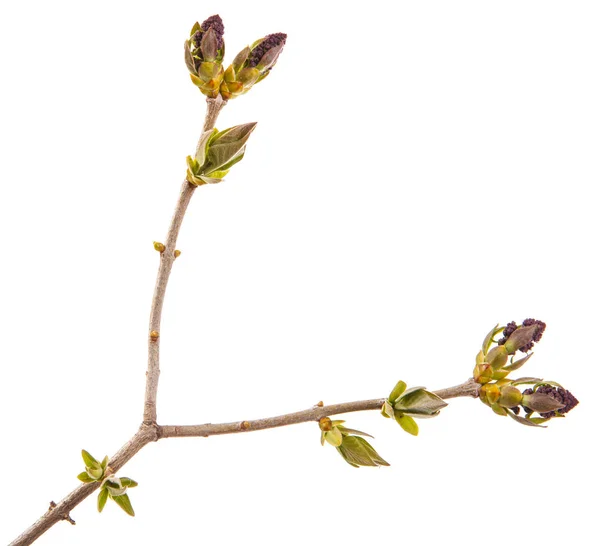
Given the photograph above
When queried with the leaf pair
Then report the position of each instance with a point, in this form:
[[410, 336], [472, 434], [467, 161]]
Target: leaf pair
[[404, 405], [216, 153], [356, 451]]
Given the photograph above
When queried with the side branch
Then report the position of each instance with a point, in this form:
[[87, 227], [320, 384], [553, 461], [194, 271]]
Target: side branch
[[167, 257], [469, 388]]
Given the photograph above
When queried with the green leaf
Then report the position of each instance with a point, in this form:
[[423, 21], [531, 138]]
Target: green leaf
[[528, 422], [397, 391], [233, 161], [407, 423], [240, 59], [419, 402], [526, 381], [345, 431], [356, 451], [220, 174], [334, 437], [189, 61], [104, 463], [202, 147], [102, 497], [124, 502], [227, 145], [209, 180], [516, 365], [89, 460], [490, 337], [128, 482], [85, 477], [541, 383], [195, 28], [94, 473]]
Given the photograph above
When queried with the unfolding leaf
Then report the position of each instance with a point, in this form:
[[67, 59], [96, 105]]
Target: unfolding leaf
[[525, 381], [489, 338], [102, 497], [419, 402], [346, 431], [85, 477], [356, 451], [128, 482], [397, 391], [387, 410], [124, 502], [89, 460], [334, 437], [518, 363], [407, 423], [525, 421]]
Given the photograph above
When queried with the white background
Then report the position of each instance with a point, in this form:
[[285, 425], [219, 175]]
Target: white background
[[420, 172]]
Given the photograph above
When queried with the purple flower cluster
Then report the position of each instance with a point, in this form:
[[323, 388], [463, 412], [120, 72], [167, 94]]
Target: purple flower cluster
[[216, 23], [512, 326], [270, 41], [560, 395]]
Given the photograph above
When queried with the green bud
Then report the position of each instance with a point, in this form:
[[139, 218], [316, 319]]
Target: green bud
[[510, 397], [492, 393], [482, 373], [497, 357]]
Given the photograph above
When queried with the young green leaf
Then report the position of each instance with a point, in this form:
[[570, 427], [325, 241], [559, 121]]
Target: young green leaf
[[102, 497], [407, 423], [356, 451], [89, 460], [85, 477], [124, 502]]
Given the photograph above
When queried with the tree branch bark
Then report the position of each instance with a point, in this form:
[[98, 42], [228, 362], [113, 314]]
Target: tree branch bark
[[152, 433], [468, 388], [167, 257]]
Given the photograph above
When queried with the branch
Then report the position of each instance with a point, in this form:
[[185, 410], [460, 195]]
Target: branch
[[468, 388], [167, 257], [152, 433], [60, 511]]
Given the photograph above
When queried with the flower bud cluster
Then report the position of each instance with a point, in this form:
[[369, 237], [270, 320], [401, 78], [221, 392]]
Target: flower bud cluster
[[496, 360], [204, 52]]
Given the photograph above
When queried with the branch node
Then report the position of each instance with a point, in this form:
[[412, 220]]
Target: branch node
[[154, 336], [65, 517], [245, 425], [319, 404]]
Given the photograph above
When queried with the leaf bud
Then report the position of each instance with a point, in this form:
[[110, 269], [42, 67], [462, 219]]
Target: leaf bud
[[325, 424], [497, 357], [482, 373], [159, 247], [509, 397]]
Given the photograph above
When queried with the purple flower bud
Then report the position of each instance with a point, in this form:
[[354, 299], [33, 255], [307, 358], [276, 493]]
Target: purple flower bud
[[560, 395], [214, 22], [510, 328], [269, 42]]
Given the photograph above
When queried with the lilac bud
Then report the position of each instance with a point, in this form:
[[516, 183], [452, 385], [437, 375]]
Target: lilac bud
[[271, 41], [523, 336], [559, 396]]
